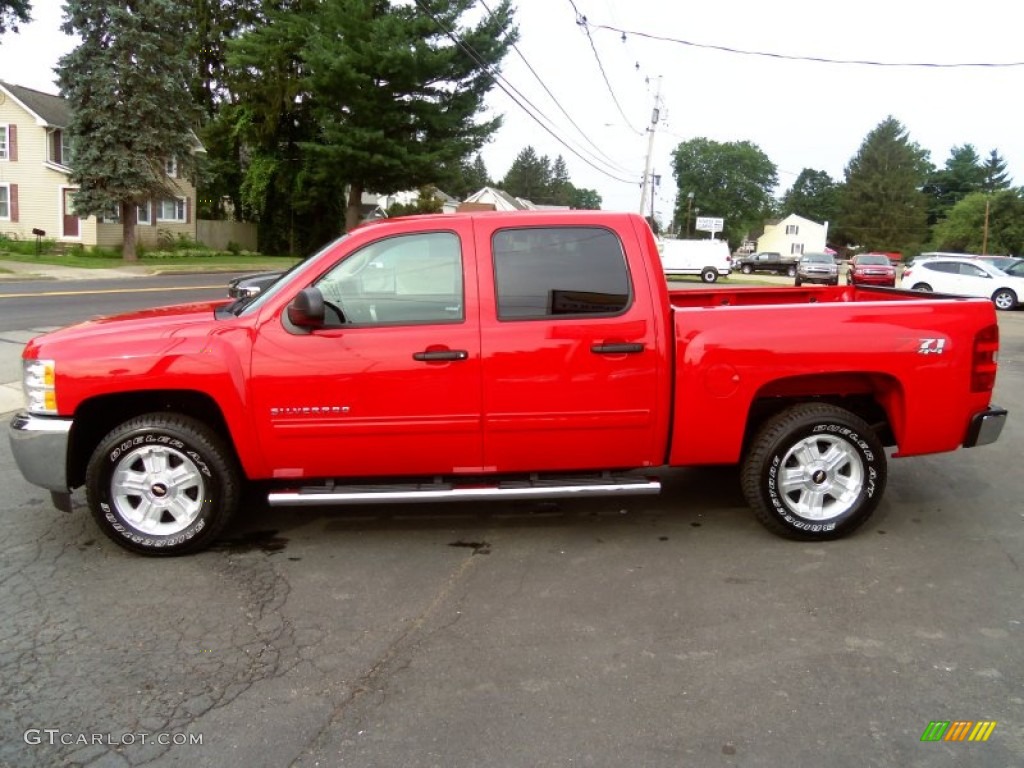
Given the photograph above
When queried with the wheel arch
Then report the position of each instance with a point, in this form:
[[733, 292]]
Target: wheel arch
[[877, 398], [96, 417]]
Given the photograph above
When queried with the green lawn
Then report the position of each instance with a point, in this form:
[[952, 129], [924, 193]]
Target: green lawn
[[165, 259]]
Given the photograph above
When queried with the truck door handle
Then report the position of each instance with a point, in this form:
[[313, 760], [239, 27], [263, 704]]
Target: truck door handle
[[440, 355], [617, 349]]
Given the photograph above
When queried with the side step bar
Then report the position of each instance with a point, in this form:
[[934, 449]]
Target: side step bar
[[464, 490]]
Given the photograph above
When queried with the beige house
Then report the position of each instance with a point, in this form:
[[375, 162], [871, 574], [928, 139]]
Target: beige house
[[793, 236], [37, 195]]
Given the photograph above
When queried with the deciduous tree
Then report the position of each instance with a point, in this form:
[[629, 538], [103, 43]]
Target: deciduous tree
[[963, 229], [733, 181], [814, 195]]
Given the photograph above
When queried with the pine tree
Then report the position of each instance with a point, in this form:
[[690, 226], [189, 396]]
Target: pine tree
[[995, 174], [12, 12], [881, 205], [561, 189], [962, 176], [395, 96], [529, 176], [131, 110]]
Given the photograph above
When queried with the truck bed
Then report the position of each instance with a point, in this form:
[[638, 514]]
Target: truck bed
[[760, 296]]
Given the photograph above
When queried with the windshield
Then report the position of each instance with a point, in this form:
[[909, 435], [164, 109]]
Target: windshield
[[817, 258], [1017, 269], [873, 259], [247, 305]]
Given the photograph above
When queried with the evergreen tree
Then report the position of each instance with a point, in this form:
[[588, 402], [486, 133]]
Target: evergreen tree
[[477, 176], [12, 12], [394, 96], [529, 177], [131, 110], [297, 200], [962, 175], [882, 207], [995, 174], [560, 190], [814, 195]]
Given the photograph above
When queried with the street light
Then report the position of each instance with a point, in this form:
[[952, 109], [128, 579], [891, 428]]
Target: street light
[[689, 204]]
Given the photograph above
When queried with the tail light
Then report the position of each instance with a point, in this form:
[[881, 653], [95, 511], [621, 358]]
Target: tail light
[[907, 271], [984, 361]]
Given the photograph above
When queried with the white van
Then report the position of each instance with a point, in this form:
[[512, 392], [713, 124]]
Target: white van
[[708, 258]]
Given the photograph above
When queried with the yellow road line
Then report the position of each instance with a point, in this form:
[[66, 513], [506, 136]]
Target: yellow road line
[[112, 290]]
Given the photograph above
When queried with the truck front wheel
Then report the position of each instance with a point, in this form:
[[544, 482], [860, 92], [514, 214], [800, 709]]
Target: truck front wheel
[[746, 269], [814, 472], [162, 484]]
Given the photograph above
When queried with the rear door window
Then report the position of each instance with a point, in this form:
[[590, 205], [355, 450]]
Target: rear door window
[[559, 272]]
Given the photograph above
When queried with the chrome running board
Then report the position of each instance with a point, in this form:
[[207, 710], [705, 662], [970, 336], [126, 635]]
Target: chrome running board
[[534, 488]]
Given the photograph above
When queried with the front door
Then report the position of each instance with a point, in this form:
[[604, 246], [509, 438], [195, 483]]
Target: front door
[[392, 385], [69, 217], [571, 367]]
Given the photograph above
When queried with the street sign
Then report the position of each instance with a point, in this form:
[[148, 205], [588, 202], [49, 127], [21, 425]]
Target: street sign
[[709, 224]]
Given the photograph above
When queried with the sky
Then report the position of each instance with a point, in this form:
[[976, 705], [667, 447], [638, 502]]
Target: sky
[[800, 113]]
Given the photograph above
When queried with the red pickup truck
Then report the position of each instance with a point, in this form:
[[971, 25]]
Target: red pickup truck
[[487, 356]]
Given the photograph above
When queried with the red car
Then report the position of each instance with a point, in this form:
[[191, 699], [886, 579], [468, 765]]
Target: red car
[[871, 269]]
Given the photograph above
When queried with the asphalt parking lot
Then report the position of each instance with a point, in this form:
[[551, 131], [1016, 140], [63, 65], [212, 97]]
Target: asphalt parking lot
[[665, 631]]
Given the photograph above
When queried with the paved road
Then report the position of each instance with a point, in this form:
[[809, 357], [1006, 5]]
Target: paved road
[[668, 631]]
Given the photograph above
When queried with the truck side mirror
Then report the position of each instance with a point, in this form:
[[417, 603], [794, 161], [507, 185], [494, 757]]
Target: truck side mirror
[[307, 309]]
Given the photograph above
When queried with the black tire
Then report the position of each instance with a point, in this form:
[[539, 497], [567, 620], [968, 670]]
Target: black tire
[[791, 272], [1004, 299], [746, 269], [834, 282], [923, 287], [170, 467], [797, 282], [814, 472], [709, 274], [849, 280]]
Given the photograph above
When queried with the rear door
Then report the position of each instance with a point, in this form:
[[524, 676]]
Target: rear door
[[570, 360]]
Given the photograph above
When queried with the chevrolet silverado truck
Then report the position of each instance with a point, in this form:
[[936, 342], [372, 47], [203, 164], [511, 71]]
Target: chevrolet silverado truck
[[498, 356]]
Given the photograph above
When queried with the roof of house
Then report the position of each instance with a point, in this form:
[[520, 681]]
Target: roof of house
[[512, 203], [46, 107]]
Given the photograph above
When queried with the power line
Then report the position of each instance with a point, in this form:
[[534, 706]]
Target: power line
[[501, 82], [581, 20], [792, 57], [612, 163]]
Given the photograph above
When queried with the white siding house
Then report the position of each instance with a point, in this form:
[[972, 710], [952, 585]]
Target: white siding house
[[793, 236], [35, 188]]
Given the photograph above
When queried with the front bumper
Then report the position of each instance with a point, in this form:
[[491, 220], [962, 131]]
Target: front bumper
[[985, 427], [40, 448]]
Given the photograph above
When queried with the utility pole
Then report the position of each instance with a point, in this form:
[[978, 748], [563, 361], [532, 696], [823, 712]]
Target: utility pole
[[650, 149], [984, 237]]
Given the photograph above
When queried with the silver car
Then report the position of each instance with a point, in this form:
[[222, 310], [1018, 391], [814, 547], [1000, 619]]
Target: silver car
[[817, 268]]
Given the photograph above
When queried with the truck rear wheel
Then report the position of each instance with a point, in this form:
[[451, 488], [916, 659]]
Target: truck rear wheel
[[709, 274], [162, 484], [791, 270], [814, 472]]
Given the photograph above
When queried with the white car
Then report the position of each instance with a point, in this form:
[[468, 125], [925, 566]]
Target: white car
[[959, 276]]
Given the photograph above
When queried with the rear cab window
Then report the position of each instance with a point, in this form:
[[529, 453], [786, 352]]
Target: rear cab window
[[559, 272]]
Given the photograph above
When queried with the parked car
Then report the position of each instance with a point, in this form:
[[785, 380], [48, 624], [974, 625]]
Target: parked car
[[486, 356], [768, 261], [965, 276], [871, 269], [247, 286], [817, 268], [1000, 262]]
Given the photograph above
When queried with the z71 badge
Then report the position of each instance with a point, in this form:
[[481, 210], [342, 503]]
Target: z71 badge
[[931, 346]]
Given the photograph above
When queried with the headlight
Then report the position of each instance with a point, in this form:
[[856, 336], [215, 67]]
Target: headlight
[[39, 381]]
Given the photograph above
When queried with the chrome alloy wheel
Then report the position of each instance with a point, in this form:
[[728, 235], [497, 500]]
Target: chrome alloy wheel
[[821, 477], [157, 490]]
